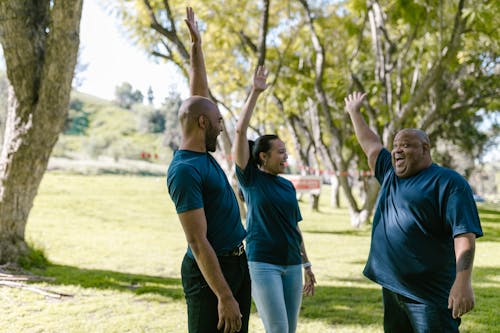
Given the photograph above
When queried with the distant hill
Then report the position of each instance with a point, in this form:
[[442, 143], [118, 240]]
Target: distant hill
[[97, 129]]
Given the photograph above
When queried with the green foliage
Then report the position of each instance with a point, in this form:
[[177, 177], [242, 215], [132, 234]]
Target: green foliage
[[422, 64], [126, 96], [116, 132], [77, 120], [151, 121]]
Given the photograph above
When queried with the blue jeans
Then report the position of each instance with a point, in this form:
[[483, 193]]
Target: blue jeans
[[202, 302], [277, 293], [404, 315]]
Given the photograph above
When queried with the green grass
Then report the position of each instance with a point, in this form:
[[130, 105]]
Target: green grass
[[115, 244]]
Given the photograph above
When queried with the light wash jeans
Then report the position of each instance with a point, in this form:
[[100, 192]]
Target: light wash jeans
[[277, 293]]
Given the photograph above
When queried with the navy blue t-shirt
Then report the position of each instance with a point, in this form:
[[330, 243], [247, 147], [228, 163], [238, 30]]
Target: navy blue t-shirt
[[412, 249], [272, 217], [195, 180]]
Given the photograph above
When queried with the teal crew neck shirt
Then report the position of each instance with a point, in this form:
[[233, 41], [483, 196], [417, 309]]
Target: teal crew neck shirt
[[195, 180], [272, 217]]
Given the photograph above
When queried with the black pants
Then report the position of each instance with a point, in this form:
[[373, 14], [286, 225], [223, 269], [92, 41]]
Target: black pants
[[202, 302]]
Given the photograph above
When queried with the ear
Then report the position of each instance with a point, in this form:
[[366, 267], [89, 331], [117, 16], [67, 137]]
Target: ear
[[426, 147], [262, 156], [201, 121]]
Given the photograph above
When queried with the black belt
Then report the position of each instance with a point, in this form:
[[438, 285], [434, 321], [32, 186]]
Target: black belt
[[236, 252]]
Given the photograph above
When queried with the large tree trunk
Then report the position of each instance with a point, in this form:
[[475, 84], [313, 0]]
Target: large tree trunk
[[40, 40]]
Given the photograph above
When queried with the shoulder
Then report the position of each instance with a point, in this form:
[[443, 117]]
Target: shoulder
[[449, 179], [447, 174], [185, 165]]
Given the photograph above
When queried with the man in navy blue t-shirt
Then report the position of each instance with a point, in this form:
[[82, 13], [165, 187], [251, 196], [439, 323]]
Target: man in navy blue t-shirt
[[424, 231], [214, 271]]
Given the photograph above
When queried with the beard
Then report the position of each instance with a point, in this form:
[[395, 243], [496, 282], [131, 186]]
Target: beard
[[211, 139]]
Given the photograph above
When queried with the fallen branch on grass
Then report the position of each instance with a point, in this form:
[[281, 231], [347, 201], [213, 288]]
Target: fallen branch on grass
[[42, 291], [8, 279], [15, 277]]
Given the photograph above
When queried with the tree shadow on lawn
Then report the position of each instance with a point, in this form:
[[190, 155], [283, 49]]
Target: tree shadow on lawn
[[344, 305], [363, 306], [110, 280], [490, 222]]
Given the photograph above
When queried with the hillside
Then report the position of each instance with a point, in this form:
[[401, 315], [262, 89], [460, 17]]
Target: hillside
[[100, 136]]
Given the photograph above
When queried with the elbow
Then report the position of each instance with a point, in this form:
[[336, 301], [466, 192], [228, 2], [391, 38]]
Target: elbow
[[196, 245]]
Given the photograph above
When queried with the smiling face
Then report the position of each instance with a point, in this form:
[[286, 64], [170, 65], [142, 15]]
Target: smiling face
[[410, 152], [274, 160]]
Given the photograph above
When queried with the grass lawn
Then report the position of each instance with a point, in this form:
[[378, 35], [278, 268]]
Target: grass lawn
[[115, 244]]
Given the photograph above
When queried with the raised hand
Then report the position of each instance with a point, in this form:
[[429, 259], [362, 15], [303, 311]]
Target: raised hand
[[192, 25], [354, 101], [259, 79]]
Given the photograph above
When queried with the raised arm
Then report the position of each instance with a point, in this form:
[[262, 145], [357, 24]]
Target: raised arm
[[241, 152], [198, 82], [461, 299], [195, 227], [370, 142]]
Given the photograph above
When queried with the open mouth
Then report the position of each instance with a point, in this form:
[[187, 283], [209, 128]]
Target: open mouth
[[399, 161]]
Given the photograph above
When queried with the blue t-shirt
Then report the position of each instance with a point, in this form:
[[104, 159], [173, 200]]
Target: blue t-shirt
[[272, 217], [412, 249], [195, 180]]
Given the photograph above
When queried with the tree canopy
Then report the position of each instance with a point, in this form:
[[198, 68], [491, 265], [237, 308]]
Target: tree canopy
[[425, 65]]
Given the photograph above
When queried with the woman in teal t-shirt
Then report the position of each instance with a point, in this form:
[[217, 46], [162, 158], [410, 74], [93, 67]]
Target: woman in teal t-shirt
[[275, 248]]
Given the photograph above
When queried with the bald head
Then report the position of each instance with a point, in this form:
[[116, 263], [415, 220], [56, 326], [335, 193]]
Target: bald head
[[411, 152], [201, 124], [192, 108]]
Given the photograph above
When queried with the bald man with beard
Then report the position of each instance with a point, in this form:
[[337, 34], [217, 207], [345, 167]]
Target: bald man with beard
[[423, 234], [214, 270]]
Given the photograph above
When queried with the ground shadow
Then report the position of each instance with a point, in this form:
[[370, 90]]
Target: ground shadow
[[333, 305], [344, 306], [170, 288]]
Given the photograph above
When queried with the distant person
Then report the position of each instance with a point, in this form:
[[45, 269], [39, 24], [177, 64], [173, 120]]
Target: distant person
[[214, 271], [424, 231], [275, 246]]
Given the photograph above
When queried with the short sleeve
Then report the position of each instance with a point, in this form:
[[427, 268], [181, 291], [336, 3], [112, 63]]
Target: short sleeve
[[246, 176], [185, 188], [461, 212], [383, 165]]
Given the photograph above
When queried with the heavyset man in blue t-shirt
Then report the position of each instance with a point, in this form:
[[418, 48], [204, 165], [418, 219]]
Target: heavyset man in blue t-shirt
[[214, 271], [424, 231]]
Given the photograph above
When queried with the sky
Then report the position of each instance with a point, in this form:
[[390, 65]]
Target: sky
[[112, 60]]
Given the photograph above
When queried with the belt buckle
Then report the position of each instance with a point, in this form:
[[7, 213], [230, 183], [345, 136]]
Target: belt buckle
[[239, 250]]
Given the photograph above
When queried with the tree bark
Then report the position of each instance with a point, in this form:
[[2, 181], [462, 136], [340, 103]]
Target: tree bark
[[40, 42]]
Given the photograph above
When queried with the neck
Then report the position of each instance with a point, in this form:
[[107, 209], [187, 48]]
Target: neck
[[193, 146], [263, 169]]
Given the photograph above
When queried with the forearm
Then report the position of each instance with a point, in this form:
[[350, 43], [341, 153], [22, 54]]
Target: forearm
[[303, 252], [366, 137], [241, 151], [198, 82], [210, 268], [368, 140], [464, 252]]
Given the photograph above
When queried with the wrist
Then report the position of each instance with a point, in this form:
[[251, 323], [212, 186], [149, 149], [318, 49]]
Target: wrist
[[307, 265]]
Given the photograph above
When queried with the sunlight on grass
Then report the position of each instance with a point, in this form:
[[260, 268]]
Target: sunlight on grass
[[115, 244]]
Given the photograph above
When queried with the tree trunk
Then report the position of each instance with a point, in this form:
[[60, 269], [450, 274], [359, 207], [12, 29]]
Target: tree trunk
[[335, 193], [40, 41]]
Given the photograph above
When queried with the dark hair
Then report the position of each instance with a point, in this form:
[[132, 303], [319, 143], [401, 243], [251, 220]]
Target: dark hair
[[261, 145]]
